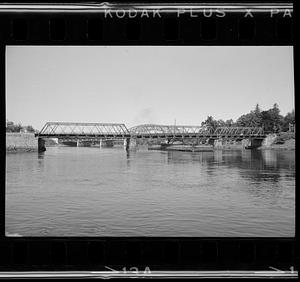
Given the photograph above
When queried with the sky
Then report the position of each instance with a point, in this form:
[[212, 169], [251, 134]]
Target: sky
[[145, 84]]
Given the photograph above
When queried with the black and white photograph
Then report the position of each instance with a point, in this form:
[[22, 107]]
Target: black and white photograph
[[153, 141]]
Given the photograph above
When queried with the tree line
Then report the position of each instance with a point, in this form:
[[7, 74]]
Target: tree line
[[12, 127], [270, 120]]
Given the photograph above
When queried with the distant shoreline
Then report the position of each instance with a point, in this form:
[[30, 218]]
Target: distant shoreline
[[225, 148], [27, 142], [288, 145]]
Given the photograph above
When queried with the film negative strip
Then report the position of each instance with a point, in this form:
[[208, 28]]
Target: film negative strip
[[132, 24], [144, 24]]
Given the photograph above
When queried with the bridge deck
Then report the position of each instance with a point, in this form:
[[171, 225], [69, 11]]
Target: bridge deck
[[54, 135], [154, 136]]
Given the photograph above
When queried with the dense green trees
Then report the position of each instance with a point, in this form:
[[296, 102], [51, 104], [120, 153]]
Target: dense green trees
[[271, 120]]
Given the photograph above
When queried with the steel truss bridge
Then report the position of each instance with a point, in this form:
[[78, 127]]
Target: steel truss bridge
[[84, 131], [97, 131], [188, 131]]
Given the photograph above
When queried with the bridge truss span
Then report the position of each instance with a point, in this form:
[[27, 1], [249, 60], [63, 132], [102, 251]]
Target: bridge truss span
[[71, 130], [154, 130], [81, 130]]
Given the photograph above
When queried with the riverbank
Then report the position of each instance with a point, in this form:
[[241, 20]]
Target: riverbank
[[27, 142], [282, 141], [21, 142], [287, 145]]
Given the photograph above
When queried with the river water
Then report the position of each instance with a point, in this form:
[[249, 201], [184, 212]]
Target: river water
[[69, 191]]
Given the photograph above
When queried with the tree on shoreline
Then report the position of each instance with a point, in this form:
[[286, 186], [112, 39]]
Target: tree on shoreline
[[271, 120], [11, 127], [210, 122]]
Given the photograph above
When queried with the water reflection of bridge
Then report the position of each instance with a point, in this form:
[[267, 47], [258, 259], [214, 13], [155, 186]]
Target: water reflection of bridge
[[109, 132]]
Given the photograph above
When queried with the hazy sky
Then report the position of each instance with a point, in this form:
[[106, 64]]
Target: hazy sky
[[136, 85]]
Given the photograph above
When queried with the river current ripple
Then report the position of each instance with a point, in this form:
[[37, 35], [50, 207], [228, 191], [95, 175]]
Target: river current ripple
[[69, 191]]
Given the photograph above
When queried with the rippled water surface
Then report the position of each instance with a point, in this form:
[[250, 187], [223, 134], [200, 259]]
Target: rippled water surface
[[69, 191]]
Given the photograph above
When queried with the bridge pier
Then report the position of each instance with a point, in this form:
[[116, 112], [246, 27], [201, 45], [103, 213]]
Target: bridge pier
[[130, 143], [211, 141], [126, 143], [254, 143], [218, 143], [246, 143], [41, 145]]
